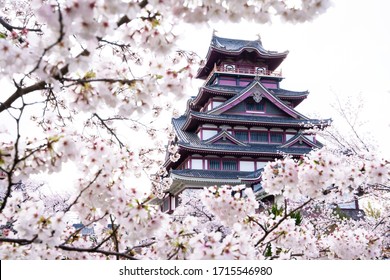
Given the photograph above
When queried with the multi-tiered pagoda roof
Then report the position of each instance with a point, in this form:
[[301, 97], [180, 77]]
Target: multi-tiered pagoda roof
[[240, 119]]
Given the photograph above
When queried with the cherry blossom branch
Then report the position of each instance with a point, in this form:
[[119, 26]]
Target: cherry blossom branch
[[58, 41], [10, 27], [110, 130], [114, 234], [15, 160], [106, 80], [42, 85], [350, 124], [140, 246], [94, 250], [382, 221], [177, 250], [122, 46], [74, 234], [380, 187], [83, 190], [110, 236], [285, 216], [20, 241], [252, 219]]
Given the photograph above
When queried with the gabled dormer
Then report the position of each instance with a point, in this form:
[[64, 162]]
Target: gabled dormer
[[302, 141], [224, 137], [253, 100]]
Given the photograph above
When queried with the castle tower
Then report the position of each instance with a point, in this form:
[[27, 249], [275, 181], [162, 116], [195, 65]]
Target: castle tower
[[240, 119]]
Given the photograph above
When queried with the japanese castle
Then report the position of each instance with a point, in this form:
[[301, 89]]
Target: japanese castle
[[240, 119]]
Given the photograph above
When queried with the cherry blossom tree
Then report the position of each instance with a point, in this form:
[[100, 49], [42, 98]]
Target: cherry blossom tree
[[92, 83]]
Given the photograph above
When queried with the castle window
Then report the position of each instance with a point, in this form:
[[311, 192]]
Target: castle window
[[197, 164], [260, 164], [241, 135], [259, 136], [208, 133], [217, 103], [276, 137], [214, 164], [229, 165], [177, 200], [247, 165], [165, 205]]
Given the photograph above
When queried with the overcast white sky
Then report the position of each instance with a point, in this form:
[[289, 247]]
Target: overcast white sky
[[345, 52]]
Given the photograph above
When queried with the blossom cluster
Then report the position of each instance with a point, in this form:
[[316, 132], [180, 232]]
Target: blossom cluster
[[333, 176]]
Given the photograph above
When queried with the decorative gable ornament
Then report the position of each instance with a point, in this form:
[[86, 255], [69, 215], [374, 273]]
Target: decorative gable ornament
[[257, 96]]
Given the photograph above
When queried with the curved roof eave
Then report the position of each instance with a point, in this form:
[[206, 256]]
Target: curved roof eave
[[201, 179], [194, 117], [261, 54]]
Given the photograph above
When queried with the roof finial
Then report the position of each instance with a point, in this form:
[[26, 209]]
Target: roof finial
[[214, 31], [259, 37]]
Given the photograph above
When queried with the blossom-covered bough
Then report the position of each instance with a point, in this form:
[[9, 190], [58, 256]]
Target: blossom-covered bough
[[91, 83]]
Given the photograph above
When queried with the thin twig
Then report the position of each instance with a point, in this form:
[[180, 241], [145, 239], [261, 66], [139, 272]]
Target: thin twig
[[83, 190]]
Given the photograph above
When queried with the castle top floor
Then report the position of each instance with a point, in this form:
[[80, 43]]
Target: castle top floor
[[241, 57]]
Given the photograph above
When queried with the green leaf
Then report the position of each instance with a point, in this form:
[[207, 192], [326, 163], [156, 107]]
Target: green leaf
[[297, 216], [155, 22], [268, 251], [275, 210], [89, 75]]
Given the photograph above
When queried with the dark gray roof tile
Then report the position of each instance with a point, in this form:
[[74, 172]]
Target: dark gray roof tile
[[217, 174], [236, 44]]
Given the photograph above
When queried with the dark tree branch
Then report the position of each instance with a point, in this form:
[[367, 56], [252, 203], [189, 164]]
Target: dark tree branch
[[110, 130], [106, 80], [42, 85], [99, 251], [114, 234], [15, 161], [285, 216], [22, 241], [20, 92], [11, 28]]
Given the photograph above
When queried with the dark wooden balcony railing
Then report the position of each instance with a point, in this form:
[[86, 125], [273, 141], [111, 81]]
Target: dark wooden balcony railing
[[243, 70]]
